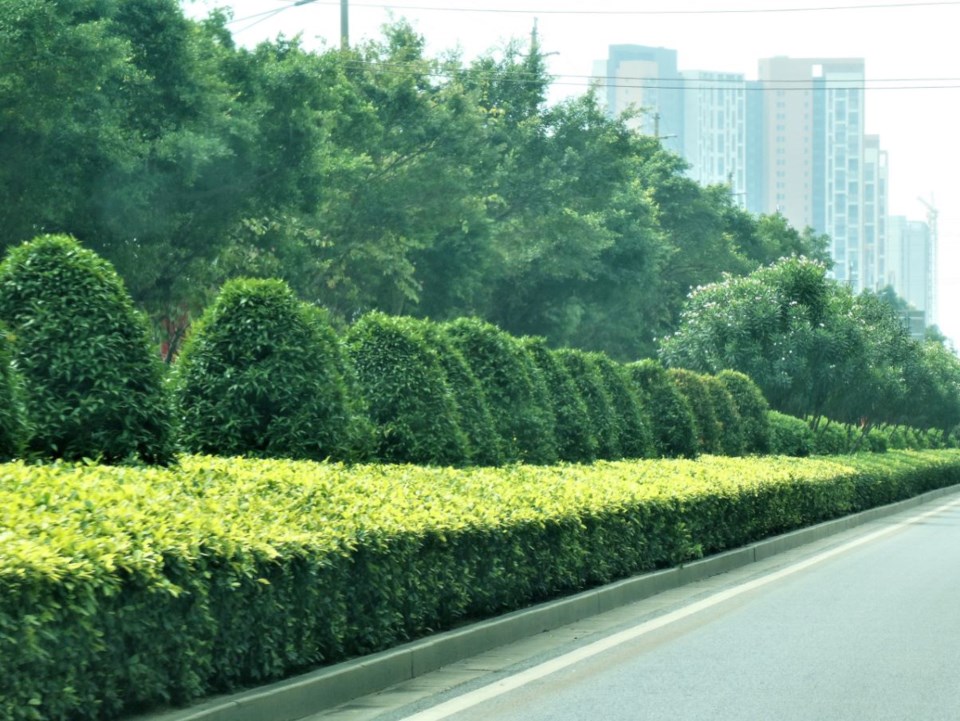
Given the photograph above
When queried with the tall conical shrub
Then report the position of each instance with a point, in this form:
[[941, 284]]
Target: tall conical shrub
[[476, 420], [576, 441], [694, 388], [93, 384], [414, 414], [673, 424], [13, 432], [636, 438], [604, 420], [515, 389], [257, 378], [753, 409]]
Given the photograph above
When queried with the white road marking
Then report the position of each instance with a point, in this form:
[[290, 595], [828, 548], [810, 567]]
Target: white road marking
[[498, 688]]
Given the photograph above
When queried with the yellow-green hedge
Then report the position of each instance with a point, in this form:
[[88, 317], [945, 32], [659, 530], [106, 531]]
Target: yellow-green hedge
[[125, 588]]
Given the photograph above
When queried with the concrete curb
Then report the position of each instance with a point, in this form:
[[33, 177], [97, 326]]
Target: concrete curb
[[327, 687]]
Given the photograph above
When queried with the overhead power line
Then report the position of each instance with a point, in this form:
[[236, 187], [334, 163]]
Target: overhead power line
[[711, 11]]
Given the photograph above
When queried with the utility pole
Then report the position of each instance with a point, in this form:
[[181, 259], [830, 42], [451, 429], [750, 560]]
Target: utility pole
[[344, 21]]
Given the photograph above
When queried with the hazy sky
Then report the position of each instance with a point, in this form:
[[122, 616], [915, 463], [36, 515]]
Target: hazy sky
[[910, 48]]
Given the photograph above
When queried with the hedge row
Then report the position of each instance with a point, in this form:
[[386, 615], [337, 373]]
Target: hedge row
[[125, 588], [265, 375]]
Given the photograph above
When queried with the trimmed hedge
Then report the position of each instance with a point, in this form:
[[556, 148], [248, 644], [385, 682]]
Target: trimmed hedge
[[515, 389], [259, 377], [576, 442], [752, 408], [413, 411], [674, 425], [13, 431], [476, 421], [636, 438], [695, 390], [604, 420], [93, 385], [789, 435], [122, 588], [732, 441]]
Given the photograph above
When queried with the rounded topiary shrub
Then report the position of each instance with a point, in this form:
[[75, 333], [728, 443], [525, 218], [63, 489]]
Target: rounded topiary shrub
[[725, 409], [636, 439], [604, 419], [93, 385], [476, 420], [515, 390], [413, 411], [672, 421], [12, 429], [752, 407], [258, 378], [789, 435], [694, 388], [576, 442]]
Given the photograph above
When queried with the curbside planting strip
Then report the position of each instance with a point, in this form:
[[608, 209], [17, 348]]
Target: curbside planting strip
[[331, 686]]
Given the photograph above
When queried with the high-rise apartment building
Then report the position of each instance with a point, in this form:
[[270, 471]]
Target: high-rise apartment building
[[908, 262], [812, 155], [714, 132], [874, 214], [645, 79]]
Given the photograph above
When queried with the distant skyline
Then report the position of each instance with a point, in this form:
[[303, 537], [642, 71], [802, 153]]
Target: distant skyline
[[909, 48]]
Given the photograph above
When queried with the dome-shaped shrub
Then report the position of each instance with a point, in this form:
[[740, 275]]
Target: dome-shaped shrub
[[731, 441], [93, 384], [12, 428], [576, 442], [693, 387], [752, 407], [414, 414], [673, 424], [257, 378], [604, 419], [636, 439], [515, 389], [476, 420]]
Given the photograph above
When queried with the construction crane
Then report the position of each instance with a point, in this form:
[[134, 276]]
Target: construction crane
[[932, 271]]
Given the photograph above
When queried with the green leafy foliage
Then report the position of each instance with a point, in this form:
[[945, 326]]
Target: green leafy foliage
[[674, 425], [413, 410], [576, 440], [516, 390], [93, 385], [260, 377], [126, 589], [636, 439], [13, 432], [732, 441], [605, 422], [476, 420], [752, 408], [695, 389], [789, 435]]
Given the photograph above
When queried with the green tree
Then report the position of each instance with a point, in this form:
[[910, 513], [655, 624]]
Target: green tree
[[673, 423], [412, 407], [605, 422], [93, 383], [515, 388], [259, 377], [576, 441]]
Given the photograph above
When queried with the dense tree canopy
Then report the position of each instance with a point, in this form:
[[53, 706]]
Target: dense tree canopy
[[371, 179]]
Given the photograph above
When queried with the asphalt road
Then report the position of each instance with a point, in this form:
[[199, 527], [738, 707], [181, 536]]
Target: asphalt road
[[865, 627]]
